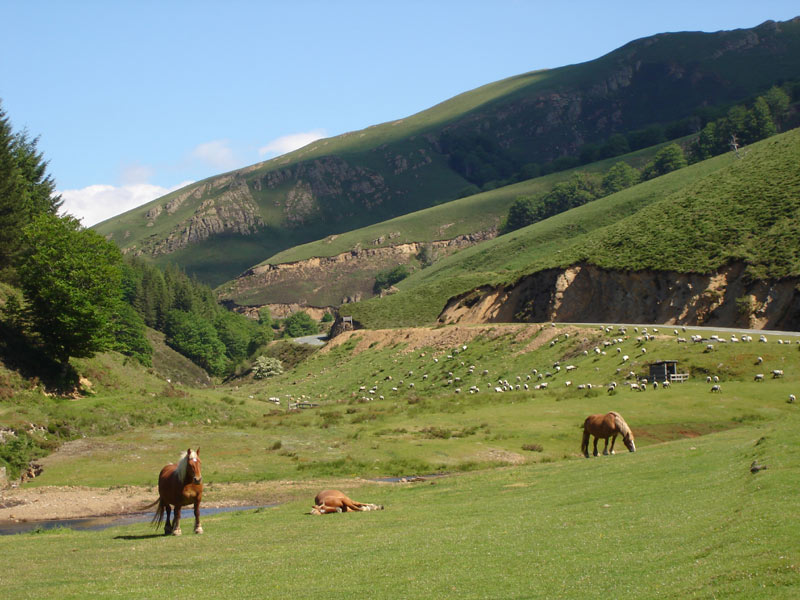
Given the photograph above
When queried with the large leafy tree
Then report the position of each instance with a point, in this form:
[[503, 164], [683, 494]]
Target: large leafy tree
[[669, 158], [299, 324], [194, 337], [70, 277], [26, 190], [619, 177]]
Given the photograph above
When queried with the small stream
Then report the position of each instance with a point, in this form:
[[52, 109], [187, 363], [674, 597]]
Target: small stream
[[99, 523]]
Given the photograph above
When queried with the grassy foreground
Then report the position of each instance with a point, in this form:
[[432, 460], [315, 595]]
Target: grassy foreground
[[684, 519]]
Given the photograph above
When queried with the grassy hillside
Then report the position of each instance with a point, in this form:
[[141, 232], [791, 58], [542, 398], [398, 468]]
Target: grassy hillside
[[475, 214], [420, 428], [682, 517], [696, 219], [459, 217], [486, 137]]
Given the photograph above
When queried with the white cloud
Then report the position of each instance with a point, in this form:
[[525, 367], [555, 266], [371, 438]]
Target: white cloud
[[290, 142], [136, 173], [97, 203], [217, 154]]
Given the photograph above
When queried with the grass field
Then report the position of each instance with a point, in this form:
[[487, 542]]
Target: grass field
[[683, 517]]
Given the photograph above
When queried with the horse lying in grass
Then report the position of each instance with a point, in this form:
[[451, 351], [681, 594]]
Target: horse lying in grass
[[179, 485], [334, 501], [609, 425]]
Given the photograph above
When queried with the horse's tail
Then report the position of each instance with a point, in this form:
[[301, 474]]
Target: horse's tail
[[158, 518]]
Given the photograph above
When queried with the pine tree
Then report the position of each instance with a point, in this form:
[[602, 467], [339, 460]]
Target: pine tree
[[12, 200], [26, 190]]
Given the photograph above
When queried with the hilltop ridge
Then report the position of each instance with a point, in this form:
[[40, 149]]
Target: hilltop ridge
[[484, 138]]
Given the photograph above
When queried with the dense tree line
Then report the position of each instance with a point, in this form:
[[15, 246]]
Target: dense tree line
[[187, 312], [582, 188], [743, 125], [486, 166], [77, 295]]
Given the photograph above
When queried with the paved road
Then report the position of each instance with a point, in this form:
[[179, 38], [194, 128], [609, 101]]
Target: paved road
[[313, 340]]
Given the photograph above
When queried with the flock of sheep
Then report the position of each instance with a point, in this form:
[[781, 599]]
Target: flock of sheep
[[541, 379]]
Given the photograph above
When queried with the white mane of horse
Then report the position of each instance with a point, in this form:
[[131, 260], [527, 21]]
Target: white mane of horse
[[621, 424], [183, 464]]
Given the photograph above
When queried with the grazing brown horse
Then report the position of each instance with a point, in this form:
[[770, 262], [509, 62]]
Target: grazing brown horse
[[179, 485], [332, 501], [609, 425]]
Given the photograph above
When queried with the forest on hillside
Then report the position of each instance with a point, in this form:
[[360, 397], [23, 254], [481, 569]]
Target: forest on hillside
[[66, 292]]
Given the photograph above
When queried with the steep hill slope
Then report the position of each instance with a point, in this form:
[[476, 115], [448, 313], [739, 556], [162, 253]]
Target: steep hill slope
[[342, 267], [218, 227], [713, 243]]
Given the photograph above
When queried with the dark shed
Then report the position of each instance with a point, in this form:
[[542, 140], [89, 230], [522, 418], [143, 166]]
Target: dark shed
[[662, 369]]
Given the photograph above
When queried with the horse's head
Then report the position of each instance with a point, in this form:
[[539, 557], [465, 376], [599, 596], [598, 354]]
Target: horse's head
[[193, 466], [628, 441]]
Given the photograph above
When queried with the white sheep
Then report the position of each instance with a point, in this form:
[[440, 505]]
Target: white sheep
[[759, 377], [716, 388]]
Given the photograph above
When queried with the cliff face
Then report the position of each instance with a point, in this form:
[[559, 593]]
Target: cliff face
[[586, 293], [332, 280]]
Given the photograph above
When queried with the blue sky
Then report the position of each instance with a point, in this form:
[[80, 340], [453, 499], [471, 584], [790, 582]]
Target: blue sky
[[133, 99]]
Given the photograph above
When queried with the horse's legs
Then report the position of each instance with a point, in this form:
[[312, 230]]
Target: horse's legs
[[197, 527], [585, 443], [352, 505], [596, 439], [168, 524], [176, 522], [613, 439]]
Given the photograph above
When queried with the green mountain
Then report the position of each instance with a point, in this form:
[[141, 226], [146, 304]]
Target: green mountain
[[714, 243], [489, 137]]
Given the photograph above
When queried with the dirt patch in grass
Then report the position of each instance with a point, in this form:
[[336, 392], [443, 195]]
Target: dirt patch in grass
[[415, 338], [667, 432]]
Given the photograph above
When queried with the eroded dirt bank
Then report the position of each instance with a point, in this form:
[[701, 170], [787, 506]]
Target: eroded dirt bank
[[586, 293]]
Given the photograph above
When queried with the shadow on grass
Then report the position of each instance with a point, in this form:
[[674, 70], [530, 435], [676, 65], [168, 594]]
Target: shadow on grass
[[146, 536], [29, 359]]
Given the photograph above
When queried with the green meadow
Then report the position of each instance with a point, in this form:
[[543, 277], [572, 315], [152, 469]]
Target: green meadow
[[684, 519], [519, 513]]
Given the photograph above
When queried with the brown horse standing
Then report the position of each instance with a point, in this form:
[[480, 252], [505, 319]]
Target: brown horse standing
[[609, 425], [179, 485], [331, 501]]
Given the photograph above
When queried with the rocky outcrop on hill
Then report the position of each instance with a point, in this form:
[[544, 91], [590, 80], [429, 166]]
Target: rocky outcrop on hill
[[232, 211], [335, 280], [587, 293]]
